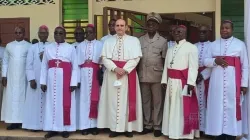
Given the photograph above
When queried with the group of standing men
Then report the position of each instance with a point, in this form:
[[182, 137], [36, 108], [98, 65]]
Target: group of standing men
[[181, 88]]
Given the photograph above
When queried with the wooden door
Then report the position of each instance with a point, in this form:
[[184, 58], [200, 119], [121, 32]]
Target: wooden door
[[7, 28]]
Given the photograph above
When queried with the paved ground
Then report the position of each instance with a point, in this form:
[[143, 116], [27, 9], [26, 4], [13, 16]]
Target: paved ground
[[27, 135]]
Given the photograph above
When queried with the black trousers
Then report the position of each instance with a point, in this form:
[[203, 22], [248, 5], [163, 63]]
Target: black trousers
[[225, 137]]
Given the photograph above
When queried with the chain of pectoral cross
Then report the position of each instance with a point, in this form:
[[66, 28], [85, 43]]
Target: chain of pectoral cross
[[174, 54]]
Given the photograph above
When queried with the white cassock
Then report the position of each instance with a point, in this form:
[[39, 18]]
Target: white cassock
[[171, 43], [77, 91], [202, 88], [185, 56], [246, 104], [114, 101], [53, 78], [105, 38], [88, 50], [221, 102], [35, 98], [1, 87], [13, 67]]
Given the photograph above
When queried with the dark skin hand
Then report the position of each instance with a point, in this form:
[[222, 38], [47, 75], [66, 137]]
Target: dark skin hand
[[33, 84], [221, 62], [43, 88], [78, 85], [73, 88], [41, 56], [199, 78], [190, 88], [4, 81], [244, 90]]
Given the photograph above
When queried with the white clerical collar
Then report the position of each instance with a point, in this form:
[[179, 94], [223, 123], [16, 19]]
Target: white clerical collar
[[90, 41], [227, 39], [120, 37], [204, 42], [181, 41], [19, 41]]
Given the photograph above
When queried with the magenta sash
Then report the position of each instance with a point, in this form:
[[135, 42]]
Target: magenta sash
[[131, 90], [235, 62], [206, 84], [190, 104], [67, 70], [94, 90]]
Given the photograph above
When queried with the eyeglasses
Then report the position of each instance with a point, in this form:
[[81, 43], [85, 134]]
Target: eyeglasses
[[58, 33], [119, 25]]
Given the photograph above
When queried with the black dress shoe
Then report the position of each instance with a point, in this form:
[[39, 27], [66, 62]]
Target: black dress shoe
[[94, 131], [146, 131], [129, 134], [113, 134], [157, 133], [85, 132], [13, 126], [65, 134], [50, 134]]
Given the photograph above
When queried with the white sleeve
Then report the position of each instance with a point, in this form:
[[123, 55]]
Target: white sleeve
[[74, 63], [44, 69], [30, 73], [5, 62]]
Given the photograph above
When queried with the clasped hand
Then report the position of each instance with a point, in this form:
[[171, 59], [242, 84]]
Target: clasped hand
[[44, 88], [119, 72], [221, 62]]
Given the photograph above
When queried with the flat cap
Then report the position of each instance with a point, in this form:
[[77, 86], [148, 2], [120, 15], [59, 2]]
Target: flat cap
[[154, 16]]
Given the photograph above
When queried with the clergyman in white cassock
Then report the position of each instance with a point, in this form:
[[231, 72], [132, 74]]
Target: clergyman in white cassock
[[228, 81], [59, 80], [1, 86], [203, 76], [120, 106], [79, 37], [35, 98], [14, 80], [89, 58], [180, 114]]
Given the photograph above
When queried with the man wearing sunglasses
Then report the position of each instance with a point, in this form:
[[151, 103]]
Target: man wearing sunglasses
[[120, 107], [14, 79], [35, 98], [203, 75], [154, 49], [180, 115], [59, 80]]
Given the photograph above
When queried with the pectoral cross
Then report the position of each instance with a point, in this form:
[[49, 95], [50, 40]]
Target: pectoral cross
[[171, 63], [57, 63]]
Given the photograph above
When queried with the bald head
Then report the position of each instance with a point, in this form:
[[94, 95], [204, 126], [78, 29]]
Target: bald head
[[120, 27]]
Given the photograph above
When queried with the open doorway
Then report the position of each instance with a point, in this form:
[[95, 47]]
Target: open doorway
[[136, 21]]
